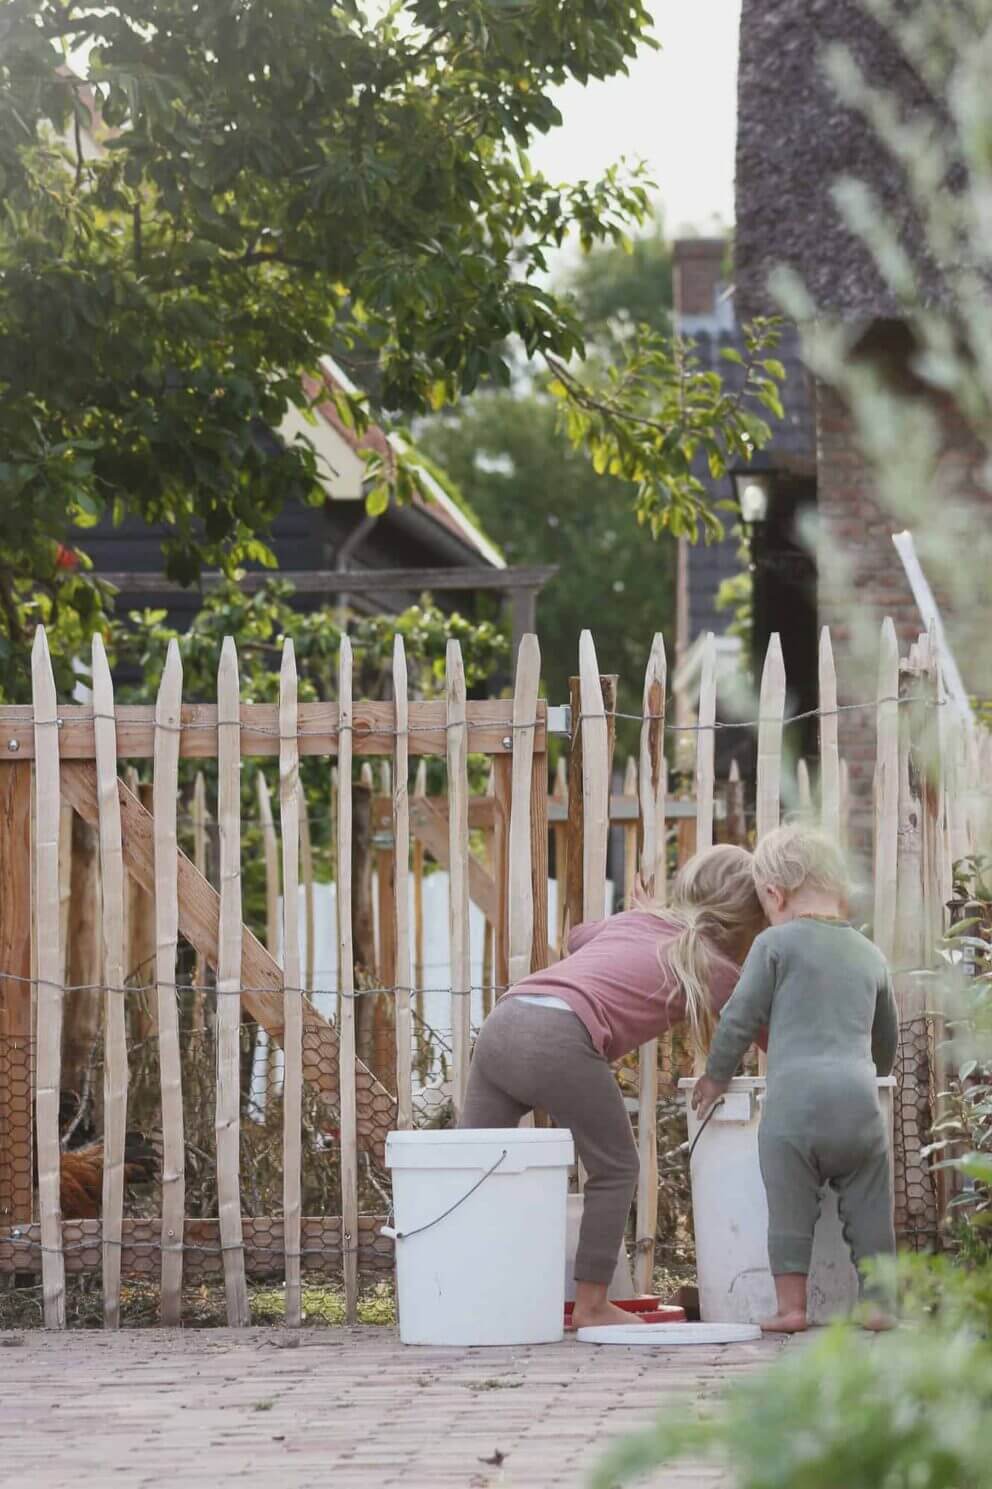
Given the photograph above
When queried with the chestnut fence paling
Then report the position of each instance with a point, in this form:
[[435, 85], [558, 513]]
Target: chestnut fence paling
[[341, 1066]]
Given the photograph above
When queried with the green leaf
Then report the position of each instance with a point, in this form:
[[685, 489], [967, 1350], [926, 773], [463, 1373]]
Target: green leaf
[[976, 1166], [377, 500]]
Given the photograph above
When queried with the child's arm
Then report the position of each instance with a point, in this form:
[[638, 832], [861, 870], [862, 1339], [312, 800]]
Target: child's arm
[[746, 1015], [885, 1028]]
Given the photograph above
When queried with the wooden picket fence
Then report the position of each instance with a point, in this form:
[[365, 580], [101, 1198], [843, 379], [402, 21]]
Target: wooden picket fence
[[930, 809]]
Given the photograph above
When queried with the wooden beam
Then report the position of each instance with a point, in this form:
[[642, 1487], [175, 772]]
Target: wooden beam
[[481, 814], [489, 729], [346, 581], [261, 976], [626, 809], [430, 827]]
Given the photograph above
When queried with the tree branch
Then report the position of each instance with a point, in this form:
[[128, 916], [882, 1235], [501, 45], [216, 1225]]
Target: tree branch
[[582, 396]]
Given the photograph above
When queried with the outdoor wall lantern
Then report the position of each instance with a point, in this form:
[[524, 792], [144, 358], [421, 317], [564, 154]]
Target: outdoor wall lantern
[[753, 492]]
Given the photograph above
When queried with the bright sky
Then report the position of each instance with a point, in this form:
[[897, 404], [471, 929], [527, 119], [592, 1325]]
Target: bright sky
[[675, 110]]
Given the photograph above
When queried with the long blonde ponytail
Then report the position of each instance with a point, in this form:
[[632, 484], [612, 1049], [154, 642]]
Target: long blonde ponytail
[[715, 903]]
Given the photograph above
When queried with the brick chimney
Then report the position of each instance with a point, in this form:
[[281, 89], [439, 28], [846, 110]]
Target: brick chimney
[[698, 280]]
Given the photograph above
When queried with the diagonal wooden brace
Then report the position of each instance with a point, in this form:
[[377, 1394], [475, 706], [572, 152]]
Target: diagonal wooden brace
[[261, 975]]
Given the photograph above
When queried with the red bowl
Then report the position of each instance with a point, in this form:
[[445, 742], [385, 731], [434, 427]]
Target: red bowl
[[646, 1304], [667, 1313]]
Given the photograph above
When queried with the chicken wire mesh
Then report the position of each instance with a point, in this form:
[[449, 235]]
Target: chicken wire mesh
[[261, 1173], [917, 1211]]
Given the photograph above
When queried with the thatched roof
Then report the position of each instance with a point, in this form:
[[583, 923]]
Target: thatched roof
[[795, 139]]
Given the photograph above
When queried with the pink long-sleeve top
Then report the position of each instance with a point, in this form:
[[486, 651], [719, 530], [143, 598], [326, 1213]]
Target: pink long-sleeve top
[[615, 979]]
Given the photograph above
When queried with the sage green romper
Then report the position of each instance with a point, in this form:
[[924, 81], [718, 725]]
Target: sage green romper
[[824, 994]]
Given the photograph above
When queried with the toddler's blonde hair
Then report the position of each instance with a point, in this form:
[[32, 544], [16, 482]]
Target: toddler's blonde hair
[[795, 857], [715, 903]]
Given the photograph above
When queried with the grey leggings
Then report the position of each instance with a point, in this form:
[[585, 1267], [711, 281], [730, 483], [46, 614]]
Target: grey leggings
[[794, 1172], [527, 1058]]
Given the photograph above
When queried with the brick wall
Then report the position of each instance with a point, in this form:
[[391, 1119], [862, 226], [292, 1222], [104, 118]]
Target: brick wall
[[697, 272], [861, 579]]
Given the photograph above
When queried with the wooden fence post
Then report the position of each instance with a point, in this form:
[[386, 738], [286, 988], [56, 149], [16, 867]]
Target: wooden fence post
[[50, 986], [830, 812], [540, 953], [270, 852], [560, 830], [887, 792], [309, 908], [292, 1096], [384, 1003], [631, 832], [423, 1052], [168, 716], [771, 712], [228, 1019], [65, 894], [594, 700], [736, 828], [200, 862], [458, 918], [363, 913], [140, 939], [402, 968], [502, 792], [653, 866], [385, 886], [705, 746], [489, 929], [115, 1067], [16, 1039], [82, 959], [346, 981], [598, 724], [520, 890]]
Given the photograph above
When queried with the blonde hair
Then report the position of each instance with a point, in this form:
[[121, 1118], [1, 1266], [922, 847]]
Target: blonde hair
[[795, 857], [716, 906]]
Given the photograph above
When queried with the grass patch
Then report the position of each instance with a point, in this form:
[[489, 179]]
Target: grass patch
[[203, 1306]]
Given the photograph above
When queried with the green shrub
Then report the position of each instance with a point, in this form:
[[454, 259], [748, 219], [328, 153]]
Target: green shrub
[[847, 1410]]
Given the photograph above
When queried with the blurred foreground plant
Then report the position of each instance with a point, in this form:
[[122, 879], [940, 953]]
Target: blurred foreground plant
[[908, 1410]]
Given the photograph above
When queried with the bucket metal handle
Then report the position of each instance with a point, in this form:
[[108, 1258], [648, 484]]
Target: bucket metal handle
[[399, 1235]]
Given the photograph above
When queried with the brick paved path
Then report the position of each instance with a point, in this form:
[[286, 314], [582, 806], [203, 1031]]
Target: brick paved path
[[332, 1407]]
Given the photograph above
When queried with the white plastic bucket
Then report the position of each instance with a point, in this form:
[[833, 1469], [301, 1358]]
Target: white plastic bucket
[[479, 1224], [730, 1218]]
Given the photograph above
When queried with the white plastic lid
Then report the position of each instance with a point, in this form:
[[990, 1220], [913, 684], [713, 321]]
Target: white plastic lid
[[669, 1336], [451, 1136], [467, 1147]]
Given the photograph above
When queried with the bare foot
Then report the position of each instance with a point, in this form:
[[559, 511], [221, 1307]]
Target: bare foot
[[602, 1315], [877, 1323], [784, 1323]]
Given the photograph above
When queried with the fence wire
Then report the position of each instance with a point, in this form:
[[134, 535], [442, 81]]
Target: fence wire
[[361, 729]]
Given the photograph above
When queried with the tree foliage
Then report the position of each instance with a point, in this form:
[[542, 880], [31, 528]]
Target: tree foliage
[[541, 500], [617, 288], [273, 178], [270, 174], [261, 622]]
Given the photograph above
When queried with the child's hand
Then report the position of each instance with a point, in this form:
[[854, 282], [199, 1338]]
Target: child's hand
[[642, 894], [706, 1092]]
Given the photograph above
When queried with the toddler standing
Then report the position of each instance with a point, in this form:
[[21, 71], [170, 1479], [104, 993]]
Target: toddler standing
[[824, 993]]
